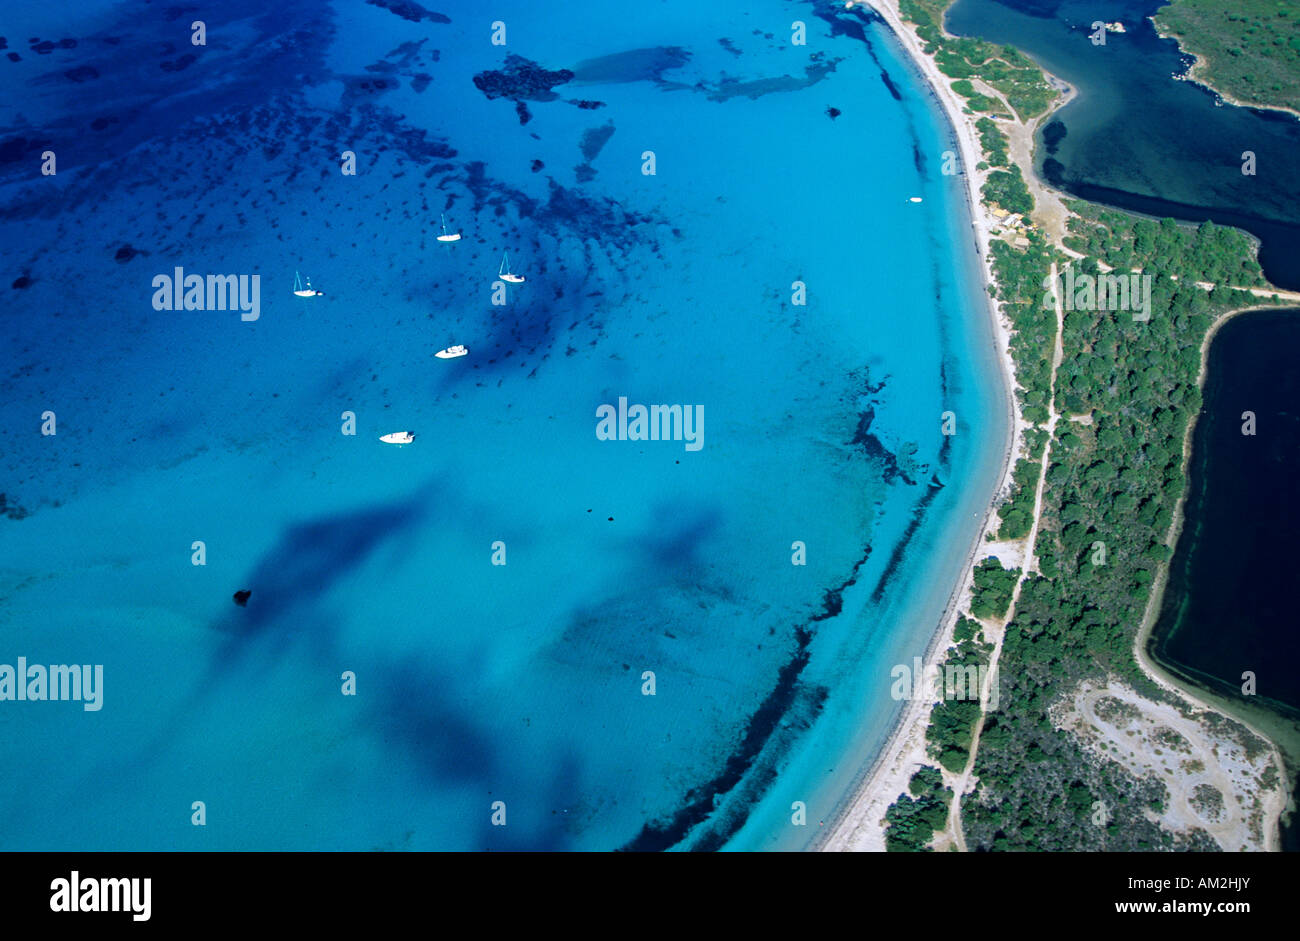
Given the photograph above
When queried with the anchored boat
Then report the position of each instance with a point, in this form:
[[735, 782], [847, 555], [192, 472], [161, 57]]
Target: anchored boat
[[447, 236], [505, 274], [452, 352], [398, 437], [303, 290]]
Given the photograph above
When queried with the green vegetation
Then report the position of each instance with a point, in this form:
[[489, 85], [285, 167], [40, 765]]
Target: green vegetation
[[1110, 485], [1218, 255], [1017, 514], [974, 99], [964, 630], [952, 722], [1110, 488], [993, 587], [1007, 189], [1003, 68], [1250, 48], [993, 143], [913, 820]]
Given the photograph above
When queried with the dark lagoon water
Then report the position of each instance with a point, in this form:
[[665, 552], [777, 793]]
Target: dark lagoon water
[[1136, 139], [1139, 140], [1227, 608]]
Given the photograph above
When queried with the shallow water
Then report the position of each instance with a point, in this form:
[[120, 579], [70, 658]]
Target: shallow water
[[476, 683]]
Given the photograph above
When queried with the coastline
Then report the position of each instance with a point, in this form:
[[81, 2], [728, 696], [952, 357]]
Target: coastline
[[855, 824], [858, 821], [1196, 74], [1278, 798]]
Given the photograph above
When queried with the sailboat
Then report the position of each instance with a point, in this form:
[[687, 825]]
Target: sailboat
[[504, 271], [446, 236], [398, 437], [452, 352], [301, 290]]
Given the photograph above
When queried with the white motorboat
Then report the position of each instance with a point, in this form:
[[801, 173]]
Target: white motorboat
[[398, 437], [452, 352]]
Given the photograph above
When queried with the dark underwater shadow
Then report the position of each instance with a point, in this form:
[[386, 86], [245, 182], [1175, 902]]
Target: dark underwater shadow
[[421, 713]]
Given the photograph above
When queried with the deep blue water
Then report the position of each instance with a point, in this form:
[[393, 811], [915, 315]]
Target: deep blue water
[[475, 682], [1226, 612], [1137, 139]]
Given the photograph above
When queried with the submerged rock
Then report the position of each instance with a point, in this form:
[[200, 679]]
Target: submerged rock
[[521, 79], [241, 597], [11, 510]]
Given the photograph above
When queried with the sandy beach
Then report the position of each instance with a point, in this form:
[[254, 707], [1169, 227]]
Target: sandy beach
[[858, 823]]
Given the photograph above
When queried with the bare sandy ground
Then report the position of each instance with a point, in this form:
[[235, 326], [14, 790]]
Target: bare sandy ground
[[1221, 777], [1222, 757], [859, 825]]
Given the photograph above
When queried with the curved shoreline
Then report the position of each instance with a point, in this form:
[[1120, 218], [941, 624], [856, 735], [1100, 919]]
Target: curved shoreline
[[857, 821], [1197, 695], [880, 782], [1201, 64]]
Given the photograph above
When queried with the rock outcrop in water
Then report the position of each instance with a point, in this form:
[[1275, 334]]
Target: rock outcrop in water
[[521, 80]]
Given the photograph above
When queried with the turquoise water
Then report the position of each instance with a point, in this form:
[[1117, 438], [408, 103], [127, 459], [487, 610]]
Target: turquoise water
[[475, 682]]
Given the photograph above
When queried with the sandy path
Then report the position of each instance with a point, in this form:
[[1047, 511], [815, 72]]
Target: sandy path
[[859, 824], [962, 783], [1175, 746]]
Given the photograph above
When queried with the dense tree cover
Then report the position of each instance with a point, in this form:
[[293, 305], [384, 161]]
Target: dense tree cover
[[952, 721], [1108, 501], [1208, 252], [1251, 47], [965, 629], [1111, 485], [992, 142], [1017, 514], [975, 100], [1022, 276], [1007, 189], [993, 587], [912, 820]]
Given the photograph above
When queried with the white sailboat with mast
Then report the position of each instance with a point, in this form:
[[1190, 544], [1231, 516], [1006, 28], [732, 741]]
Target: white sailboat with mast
[[447, 236], [504, 273], [303, 290]]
